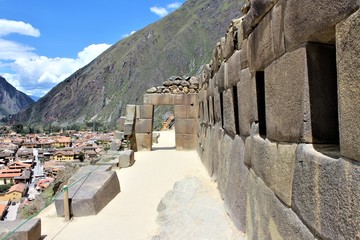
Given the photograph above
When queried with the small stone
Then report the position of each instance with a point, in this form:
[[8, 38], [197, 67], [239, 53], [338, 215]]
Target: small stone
[[194, 86], [187, 78], [185, 83], [151, 90], [192, 91], [176, 91], [173, 78], [186, 90], [168, 83], [177, 82], [166, 90], [194, 80], [181, 88]]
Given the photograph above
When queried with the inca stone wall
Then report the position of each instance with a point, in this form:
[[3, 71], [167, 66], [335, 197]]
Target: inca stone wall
[[279, 119], [275, 118]]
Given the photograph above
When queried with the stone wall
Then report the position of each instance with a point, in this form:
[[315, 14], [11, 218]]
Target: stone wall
[[138, 122], [279, 119]]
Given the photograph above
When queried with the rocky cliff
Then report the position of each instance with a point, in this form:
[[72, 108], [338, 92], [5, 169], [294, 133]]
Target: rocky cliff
[[11, 100], [179, 43]]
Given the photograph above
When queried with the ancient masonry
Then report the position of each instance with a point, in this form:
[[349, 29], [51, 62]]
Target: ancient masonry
[[276, 120]]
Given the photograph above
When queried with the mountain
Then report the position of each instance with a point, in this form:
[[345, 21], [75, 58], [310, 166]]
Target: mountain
[[35, 98], [178, 44], [11, 100]]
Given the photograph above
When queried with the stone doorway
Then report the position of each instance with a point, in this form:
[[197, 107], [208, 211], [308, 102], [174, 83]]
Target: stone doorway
[[186, 114]]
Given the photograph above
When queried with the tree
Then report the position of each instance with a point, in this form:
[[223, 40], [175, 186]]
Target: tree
[[81, 156], [18, 128]]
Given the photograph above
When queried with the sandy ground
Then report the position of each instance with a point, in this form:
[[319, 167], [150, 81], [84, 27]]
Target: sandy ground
[[132, 213]]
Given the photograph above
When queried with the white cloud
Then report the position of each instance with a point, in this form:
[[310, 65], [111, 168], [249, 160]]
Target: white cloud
[[36, 75], [9, 26], [160, 11], [10, 50], [33, 74], [128, 34], [163, 11], [174, 5]]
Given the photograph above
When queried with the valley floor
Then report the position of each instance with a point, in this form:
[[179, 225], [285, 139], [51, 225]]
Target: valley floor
[[132, 213]]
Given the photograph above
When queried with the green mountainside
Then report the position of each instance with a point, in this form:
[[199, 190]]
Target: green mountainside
[[178, 44], [11, 100]]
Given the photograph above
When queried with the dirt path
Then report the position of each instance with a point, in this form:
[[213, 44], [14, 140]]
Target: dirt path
[[132, 213]]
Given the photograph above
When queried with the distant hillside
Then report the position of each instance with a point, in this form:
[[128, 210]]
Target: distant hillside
[[35, 98], [11, 100], [178, 44]]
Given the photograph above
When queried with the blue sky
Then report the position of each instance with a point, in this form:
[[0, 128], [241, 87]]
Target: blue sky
[[43, 42]]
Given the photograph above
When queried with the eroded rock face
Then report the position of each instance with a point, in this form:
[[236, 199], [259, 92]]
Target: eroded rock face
[[192, 211]]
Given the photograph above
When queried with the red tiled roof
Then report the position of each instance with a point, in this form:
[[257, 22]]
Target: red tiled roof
[[10, 170], [2, 209], [10, 175], [20, 187], [20, 164]]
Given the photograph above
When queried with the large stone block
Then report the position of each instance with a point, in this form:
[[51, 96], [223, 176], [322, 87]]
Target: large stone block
[[229, 44], [244, 53], [211, 87], [31, 230], [314, 21], [89, 193], [326, 193], [236, 188], [266, 42], [261, 50], [223, 167], [145, 111], [277, 28], [95, 193], [143, 141], [121, 123], [348, 52], [239, 33], [217, 108], [216, 149], [300, 96], [184, 99], [128, 128], [268, 218], [185, 141], [157, 99], [202, 95], [206, 157], [185, 126], [130, 112], [259, 8], [126, 158], [273, 163], [143, 125], [247, 103], [211, 111], [186, 112], [233, 70], [222, 49], [229, 113], [220, 77], [205, 112], [216, 60]]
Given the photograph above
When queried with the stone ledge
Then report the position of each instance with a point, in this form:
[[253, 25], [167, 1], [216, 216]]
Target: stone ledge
[[29, 231], [91, 193]]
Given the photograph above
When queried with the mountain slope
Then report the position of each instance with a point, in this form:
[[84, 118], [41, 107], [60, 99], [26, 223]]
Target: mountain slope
[[11, 100], [176, 45]]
